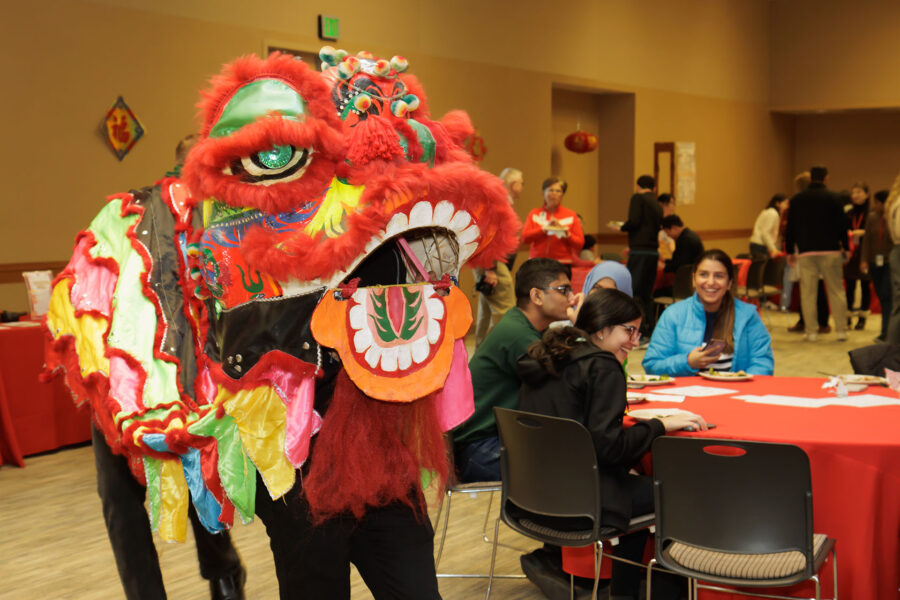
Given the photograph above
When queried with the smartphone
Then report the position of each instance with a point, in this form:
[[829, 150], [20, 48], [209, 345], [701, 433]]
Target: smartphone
[[715, 346]]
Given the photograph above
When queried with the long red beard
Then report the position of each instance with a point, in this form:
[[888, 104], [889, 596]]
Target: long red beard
[[371, 453]]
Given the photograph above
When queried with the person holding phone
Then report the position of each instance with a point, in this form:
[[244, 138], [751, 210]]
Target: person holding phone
[[711, 329]]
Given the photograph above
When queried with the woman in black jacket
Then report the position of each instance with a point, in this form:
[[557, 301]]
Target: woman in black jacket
[[576, 372]]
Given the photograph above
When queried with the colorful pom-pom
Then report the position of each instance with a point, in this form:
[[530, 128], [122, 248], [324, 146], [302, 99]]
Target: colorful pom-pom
[[365, 54], [399, 63], [362, 102], [328, 55], [399, 108], [382, 67], [341, 55], [412, 101], [348, 67]]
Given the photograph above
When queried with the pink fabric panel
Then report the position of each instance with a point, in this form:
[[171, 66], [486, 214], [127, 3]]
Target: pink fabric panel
[[455, 402], [94, 283]]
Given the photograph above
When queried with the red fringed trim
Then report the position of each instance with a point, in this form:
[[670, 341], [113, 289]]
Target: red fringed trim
[[204, 164], [373, 139], [370, 453], [458, 126], [414, 151]]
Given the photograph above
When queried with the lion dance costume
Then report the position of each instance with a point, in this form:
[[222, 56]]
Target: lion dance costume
[[287, 313]]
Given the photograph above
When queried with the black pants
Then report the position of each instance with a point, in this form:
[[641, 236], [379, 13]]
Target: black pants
[[881, 279], [626, 579], [642, 265], [391, 547], [128, 527], [865, 298]]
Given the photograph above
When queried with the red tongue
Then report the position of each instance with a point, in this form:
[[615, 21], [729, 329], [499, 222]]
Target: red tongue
[[395, 307]]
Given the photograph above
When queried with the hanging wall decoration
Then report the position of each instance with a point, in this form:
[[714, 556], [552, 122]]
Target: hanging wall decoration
[[581, 141], [123, 129]]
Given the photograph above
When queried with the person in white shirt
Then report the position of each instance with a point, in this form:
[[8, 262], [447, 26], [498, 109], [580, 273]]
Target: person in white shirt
[[764, 241]]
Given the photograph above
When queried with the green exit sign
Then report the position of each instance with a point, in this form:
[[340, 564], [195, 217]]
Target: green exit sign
[[329, 28]]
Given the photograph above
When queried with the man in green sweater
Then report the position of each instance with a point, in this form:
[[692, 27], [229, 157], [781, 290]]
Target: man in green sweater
[[543, 293]]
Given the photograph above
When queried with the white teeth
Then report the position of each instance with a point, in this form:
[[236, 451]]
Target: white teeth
[[460, 220], [398, 224], [404, 357], [359, 296], [358, 316], [389, 358], [470, 234], [434, 331], [443, 212], [419, 349], [435, 308], [362, 339], [466, 251], [420, 215], [373, 355], [373, 243]]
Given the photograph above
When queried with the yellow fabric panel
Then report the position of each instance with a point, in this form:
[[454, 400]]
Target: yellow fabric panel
[[88, 330], [261, 418], [340, 200], [175, 497]]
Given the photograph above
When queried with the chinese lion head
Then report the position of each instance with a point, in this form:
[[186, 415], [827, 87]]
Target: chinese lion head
[[307, 287]]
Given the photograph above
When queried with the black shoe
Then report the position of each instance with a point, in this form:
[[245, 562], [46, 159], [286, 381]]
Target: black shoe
[[798, 327], [229, 587], [880, 339], [860, 324], [541, 570]]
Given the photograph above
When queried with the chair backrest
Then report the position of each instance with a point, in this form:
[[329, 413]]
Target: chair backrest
[[773, 274], [684, 282], [732, 496], [755, 274], [548, 466]]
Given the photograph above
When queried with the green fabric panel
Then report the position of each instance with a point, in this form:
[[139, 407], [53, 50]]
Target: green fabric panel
[[152, 470], [254, 100], [109, 229], [236, 470]]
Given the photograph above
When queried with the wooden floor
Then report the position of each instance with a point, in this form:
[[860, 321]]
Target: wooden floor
[[53, 543]]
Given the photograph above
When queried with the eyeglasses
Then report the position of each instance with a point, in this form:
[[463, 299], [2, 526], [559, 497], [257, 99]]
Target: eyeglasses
[[565, 290], [633, 332]]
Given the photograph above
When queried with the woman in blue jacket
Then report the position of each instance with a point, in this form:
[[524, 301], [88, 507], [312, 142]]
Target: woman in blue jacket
[[711, 329]]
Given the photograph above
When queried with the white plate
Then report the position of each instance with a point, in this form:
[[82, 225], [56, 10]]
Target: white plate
[[865, 379], [651, 379], [635, 398], [645, 414], [725, 376], [22, 324]]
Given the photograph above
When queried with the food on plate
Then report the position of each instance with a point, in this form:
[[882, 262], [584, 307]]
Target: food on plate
[[715, 373]]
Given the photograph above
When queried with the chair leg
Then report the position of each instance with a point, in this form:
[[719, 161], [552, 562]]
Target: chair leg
[[818, 585], [487, 516], [834, 572], [649, 576], [598, 556], [493, 557], [449, 498]]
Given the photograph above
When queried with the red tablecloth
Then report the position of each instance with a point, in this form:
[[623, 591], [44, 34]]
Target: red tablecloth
[[34, 416], [854, 457]]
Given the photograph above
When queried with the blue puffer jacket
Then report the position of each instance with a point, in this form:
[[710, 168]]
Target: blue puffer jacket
[[681, 328]]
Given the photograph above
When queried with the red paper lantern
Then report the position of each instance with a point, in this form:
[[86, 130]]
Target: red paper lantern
[[581, 142]]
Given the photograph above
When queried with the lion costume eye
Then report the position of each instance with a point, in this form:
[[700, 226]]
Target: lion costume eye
[[275, 165]]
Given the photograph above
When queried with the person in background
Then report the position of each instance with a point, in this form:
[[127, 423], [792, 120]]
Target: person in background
[[792, 273], [875, 258], [608, 274], [711, 329], [892, 217], [764, 240], [816, 239], [688, 245], [857, 210], [553, 231], [577, 373], [642, 226], [495, 286], [543, 294], [666, 243]]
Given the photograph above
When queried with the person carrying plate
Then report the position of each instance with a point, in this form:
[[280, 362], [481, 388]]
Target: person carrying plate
[[711, 329], [576, 372], [553, 231]]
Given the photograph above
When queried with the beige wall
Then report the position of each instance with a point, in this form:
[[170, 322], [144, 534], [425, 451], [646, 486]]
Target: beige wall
[[696, 70], [835, 54], [854, 146]]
